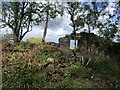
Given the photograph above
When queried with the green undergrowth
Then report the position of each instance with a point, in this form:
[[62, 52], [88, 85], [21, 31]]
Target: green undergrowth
[[23, 69], [105, 68]]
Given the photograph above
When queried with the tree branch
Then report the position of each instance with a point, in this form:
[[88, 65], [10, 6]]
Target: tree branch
[[8, 24]]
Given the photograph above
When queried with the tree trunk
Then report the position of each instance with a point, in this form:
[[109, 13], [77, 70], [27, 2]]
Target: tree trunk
[[15, 29], [46, 26], [88, 47], [16, 38], [75, 43], [89, 56]]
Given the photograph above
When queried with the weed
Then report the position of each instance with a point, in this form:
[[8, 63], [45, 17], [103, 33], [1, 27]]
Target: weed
[[75, 70], [105, 68]]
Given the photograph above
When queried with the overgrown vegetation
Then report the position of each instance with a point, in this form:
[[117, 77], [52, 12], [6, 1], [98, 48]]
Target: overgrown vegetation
[[31, 69], [38, 64]]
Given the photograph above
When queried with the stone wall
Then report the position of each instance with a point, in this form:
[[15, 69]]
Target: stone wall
[[82, 38], [64, 42]]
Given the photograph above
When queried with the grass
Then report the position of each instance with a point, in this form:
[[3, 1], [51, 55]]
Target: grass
[[105, 68], [18, 72]]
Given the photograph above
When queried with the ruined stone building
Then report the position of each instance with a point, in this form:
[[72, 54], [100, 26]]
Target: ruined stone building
[[97, 44], [82, 40], [85, 42]]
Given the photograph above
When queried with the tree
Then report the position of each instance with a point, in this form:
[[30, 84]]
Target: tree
[[73, 10], [87, 20], [91, 15], [108, 27], [45, 12], [18, 17], [117, 18]]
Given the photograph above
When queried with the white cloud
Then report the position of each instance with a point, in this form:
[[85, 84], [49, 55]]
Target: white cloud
[[5, 30], [57, 28]]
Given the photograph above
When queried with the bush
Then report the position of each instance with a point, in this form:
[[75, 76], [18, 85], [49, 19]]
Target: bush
[[62, 56], [18, 46], [43, 55], [105, 68], [22, 76], [34, 40], [75, 70]]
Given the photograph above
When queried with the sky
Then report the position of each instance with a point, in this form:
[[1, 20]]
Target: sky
[[57, 28]]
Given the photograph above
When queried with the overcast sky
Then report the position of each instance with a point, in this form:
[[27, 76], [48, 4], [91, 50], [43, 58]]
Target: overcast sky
[[57, 28]]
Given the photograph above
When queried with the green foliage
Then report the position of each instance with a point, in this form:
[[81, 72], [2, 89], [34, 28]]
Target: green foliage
[[69, 83], [45, 53], [105, 68], [75, 70], [79, 22], [42, 57], [39, 80], [34, 40], [18, 46], [17, 72], [62, 56], [22, 45], [22, 76], [81, 84], [65, 83], [109, 32], [10, 12], [47, 9], [117, 84], [73, 8]]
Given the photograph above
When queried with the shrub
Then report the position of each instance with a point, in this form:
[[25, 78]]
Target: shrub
[[62, 56], [75, 70], [105, 68], [43, 55], [34, 40], [20, 77]]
